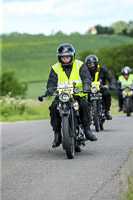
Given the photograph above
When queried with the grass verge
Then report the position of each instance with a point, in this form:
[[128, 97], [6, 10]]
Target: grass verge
[[21, 110]]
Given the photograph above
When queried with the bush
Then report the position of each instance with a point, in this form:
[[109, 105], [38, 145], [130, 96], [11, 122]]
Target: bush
[[16, 109], [10, 84], [11, 106]]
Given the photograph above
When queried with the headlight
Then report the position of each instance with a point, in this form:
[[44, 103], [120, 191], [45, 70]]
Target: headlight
[[94, 90], [64, 97]]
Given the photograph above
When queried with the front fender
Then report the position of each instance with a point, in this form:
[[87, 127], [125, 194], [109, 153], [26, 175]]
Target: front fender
[[65, 112]]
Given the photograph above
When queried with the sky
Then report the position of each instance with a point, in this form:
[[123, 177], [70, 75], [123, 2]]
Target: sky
[[50, 16]]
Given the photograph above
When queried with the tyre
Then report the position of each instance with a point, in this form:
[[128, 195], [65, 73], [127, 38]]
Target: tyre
[[96, 116], [68, 137], [127, 106]]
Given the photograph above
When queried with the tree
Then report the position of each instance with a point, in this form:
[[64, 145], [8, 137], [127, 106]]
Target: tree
[[84, 54], [119, 27], [75, 33], [8, 83], [116, 58], [60, 33], [104, 29]]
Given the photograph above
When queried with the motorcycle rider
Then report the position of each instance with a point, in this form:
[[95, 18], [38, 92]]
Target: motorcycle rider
[[66, 71], [125, 79], [102, 74]]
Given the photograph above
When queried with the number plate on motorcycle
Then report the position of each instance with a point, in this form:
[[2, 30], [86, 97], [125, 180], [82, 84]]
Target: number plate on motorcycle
[[68, 89], [96, 84]]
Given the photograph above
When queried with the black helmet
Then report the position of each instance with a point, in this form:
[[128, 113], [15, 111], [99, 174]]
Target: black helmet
[[91, 59], [65, 50], [126, 70]]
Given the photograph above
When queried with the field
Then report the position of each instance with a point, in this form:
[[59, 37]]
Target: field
[[31, 56]]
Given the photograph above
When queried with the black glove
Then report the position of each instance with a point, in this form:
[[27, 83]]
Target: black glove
[[86, 88], [112, 87], [49, 92], [40, 98]]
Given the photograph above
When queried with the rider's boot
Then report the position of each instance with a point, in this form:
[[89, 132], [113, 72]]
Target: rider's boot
[[108, 116], [57, 139], [89, 135], [120, 109]]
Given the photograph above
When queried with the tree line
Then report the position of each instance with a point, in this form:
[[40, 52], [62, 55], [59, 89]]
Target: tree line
[[119, 28]]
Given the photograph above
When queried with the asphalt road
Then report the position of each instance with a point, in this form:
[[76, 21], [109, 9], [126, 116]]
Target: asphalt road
[[33, 170]]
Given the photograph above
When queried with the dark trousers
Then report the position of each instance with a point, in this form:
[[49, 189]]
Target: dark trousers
[[120, 98], [84, 112], [106, 98]]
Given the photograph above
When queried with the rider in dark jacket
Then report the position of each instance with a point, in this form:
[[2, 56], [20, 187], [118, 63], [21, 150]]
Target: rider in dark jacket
[[103, 75], [65, 68]]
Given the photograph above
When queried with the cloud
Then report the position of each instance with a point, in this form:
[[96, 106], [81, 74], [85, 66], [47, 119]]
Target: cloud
[[19, 8], [46, 15]]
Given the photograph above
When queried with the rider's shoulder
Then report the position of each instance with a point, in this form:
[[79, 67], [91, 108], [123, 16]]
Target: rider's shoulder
[[103, 68]]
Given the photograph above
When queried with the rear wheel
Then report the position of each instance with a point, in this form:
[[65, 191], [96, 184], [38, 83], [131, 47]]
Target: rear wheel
[[96, 116], [68, 137]]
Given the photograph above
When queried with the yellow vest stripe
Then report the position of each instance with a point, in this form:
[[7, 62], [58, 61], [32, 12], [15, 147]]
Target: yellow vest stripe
[[96, 75]]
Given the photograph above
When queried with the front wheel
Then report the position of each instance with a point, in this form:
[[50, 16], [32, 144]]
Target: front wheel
[[96, 116], [68, 137], [127, 106]]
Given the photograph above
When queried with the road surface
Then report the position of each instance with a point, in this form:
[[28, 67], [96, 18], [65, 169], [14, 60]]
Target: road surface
[[33, 170]]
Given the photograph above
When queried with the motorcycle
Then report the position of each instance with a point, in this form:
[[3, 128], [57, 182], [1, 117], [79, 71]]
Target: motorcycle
[[97, 106], [71, 127], [127, 93]]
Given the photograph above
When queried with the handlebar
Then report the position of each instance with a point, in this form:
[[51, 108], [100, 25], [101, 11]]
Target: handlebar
[[40, 98], [104, 86]]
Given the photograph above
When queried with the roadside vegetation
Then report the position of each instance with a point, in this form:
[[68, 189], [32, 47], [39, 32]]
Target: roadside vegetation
[[129, 195], [16, 109]]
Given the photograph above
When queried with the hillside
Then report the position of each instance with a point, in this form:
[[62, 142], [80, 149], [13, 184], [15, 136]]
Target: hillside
[[31, 56]]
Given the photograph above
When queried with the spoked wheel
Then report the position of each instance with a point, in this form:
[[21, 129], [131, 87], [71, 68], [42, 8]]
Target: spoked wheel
[[68, 137], [127, 106], [96, 116]]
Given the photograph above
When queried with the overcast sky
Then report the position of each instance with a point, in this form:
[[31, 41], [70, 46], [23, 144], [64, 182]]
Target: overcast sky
[[51, 16]]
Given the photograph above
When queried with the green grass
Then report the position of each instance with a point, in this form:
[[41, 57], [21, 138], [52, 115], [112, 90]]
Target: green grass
[[35, 89], [35, 110], [31, 56], [129, 195]]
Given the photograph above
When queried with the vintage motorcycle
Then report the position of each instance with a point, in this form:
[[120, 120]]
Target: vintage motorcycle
[[71, 127], [127, 93], [97, 106]]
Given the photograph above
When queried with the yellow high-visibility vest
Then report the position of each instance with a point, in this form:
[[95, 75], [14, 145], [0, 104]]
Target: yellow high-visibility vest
[[74, 76], [124, 81]]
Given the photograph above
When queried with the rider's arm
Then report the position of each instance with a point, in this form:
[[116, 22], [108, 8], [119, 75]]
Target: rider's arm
[[108, 75], [52, 80], [85, 75]]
